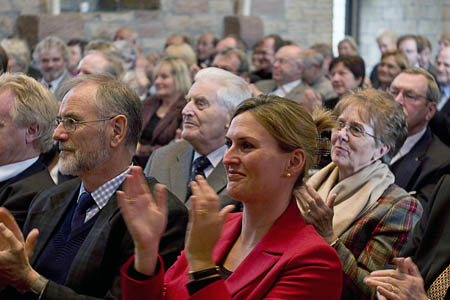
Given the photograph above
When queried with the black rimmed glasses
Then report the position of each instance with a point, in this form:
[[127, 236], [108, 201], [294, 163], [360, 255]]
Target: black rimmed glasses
[[71, 124]]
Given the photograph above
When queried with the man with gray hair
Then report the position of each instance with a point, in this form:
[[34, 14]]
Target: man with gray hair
[[287, 71], [312, 74], [423, 158], [206, 117], [53, 57], [97, 62], [83, 240], [27, 114]]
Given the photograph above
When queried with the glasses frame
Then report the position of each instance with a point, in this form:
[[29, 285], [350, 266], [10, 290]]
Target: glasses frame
[[352, 129], [406, 97], [76, 123]]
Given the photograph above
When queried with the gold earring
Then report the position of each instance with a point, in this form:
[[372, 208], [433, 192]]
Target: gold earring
[[288, 174]]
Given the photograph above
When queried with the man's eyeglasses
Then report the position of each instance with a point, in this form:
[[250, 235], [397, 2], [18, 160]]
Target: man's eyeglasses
[[70, 124], [407, 95], [355, 130]]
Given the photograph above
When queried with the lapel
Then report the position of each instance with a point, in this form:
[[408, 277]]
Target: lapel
[[406, 167], [34, 168], [180, 171], [218, 178], [266, 253], [51, 216]]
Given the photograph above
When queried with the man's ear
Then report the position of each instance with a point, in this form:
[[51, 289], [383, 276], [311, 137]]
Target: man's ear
[[296, 162], [32, 133], [119, 126], [431, 110]]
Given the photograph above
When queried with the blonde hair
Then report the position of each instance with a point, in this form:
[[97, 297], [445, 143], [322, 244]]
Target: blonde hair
[[179, 71], [183, 51], [33, 104]]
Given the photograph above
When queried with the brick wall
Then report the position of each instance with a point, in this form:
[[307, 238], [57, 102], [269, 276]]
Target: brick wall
[[302, 21], [424, 17]]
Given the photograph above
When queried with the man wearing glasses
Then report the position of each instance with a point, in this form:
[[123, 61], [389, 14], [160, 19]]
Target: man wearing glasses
[[423, 158], [82, 240]]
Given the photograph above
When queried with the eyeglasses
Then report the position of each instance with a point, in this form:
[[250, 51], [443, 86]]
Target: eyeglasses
[[70, 124], [407, 95], [355, 130]]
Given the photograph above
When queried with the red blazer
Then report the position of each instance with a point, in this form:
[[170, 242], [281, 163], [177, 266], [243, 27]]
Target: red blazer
[[290, 262]]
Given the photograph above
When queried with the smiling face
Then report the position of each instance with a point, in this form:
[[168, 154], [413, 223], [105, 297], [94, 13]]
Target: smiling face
[[251, 151], [388, 69], [205, 118], [164, 82], [86, 148], [350, 153], [343, 79], [52, 64]]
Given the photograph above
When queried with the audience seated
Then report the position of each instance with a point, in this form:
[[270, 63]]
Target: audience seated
[[76, 227], [27, 115], [267, 251], [232, 60], [440, 123], [76, 53], [408, 44], [162, 113], [287, 70], [387, 41], [347, 74], [183, 51], [347, 46], [211, 101], [392, 63], [53, 57], [206, 49], [327, 53], [231, 41], [423, 158], [353, 202], [312, 74], [263, 57]]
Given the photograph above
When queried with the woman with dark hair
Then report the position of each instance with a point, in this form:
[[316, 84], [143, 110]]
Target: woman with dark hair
[[347, 73], [265, 252]]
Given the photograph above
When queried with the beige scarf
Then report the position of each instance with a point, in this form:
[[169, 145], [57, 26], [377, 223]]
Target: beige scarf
[[355, 194]]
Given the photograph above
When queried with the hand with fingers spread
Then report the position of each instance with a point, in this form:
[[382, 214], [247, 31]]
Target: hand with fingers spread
[[146, 218], [205, 224], [15, 268], [316, 211], [403, 283]]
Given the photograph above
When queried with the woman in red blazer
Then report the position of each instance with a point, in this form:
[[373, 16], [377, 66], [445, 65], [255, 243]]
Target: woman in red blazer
[[266, 252]]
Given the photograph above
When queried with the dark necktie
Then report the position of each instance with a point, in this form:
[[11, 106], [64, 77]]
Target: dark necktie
[[198, 168], [85, 202]]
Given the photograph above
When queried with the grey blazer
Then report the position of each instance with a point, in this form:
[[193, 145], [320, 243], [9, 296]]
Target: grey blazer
[[171, 166], [296, 94], [60, 90]]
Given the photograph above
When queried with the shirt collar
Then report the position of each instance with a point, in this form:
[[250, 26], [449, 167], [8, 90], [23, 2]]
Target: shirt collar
[[11, 170], [214, 157], [55, 83], [104, 192], [409, 143]]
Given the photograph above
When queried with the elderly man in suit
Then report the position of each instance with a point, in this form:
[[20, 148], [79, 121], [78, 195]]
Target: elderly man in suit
[[83, 240], [287, 71], [440, 124], [27, 114], [417, 277], [211, 101], [53, 57], [423, 158]]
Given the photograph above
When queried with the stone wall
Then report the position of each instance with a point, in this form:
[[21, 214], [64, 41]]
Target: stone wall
[[302, 21], [424, 17]]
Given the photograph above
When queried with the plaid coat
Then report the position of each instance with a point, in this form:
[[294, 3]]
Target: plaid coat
[[375, 239]]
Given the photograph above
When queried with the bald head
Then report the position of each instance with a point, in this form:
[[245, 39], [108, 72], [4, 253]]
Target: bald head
[[125, 33], [288, 64]]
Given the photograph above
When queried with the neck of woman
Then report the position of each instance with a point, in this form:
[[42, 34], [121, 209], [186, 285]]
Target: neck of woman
[[167, 102], [258, 218]]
